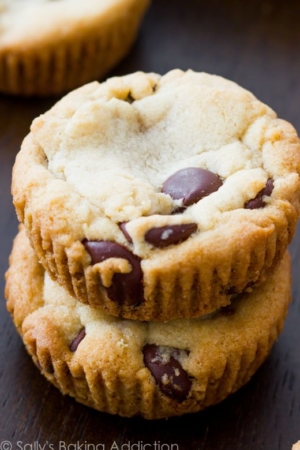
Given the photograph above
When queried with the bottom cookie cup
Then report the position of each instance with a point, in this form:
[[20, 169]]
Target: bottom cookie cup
[[132, 368]]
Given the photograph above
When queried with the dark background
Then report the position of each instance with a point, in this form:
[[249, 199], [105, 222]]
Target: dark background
[[255, 43]]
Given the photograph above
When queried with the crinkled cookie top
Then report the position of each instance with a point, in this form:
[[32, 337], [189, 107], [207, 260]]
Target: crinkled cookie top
[[118, 143]]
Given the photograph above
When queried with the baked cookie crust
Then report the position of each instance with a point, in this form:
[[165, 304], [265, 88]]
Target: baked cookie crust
[[132, 368], [96, 184], [50, 47]]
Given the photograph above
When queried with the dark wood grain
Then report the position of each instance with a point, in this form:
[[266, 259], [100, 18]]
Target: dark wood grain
[[256, 44]]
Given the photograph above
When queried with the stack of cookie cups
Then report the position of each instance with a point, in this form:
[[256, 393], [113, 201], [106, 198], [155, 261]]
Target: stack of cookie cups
[[150, 276]]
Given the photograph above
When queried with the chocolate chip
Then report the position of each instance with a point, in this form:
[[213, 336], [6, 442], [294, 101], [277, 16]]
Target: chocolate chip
[[167, 371], [269, 187], [258, 201], [178, 210], [126, 288], [191, 184], [170, 234], [125, 232], [76, 341]]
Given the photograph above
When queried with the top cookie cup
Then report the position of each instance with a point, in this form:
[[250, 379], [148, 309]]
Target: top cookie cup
[[147, 189]]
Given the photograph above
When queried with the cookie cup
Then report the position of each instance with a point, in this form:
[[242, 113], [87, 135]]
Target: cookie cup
[[71, 43], [133, 368], [83, 173]]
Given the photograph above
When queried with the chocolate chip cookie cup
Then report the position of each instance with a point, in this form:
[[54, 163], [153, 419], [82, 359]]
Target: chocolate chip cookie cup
[[156, 198], [133, 368], [50, 47]]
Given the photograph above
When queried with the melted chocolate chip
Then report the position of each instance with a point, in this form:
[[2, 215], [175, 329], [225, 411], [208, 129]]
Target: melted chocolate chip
[[191, 184], [258, 201], [168, 373], [170, 234], [125, 232], [126, 288], [76, 341]]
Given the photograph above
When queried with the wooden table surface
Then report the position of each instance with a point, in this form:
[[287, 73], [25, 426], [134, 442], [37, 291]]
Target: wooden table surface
[[255, 43]]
